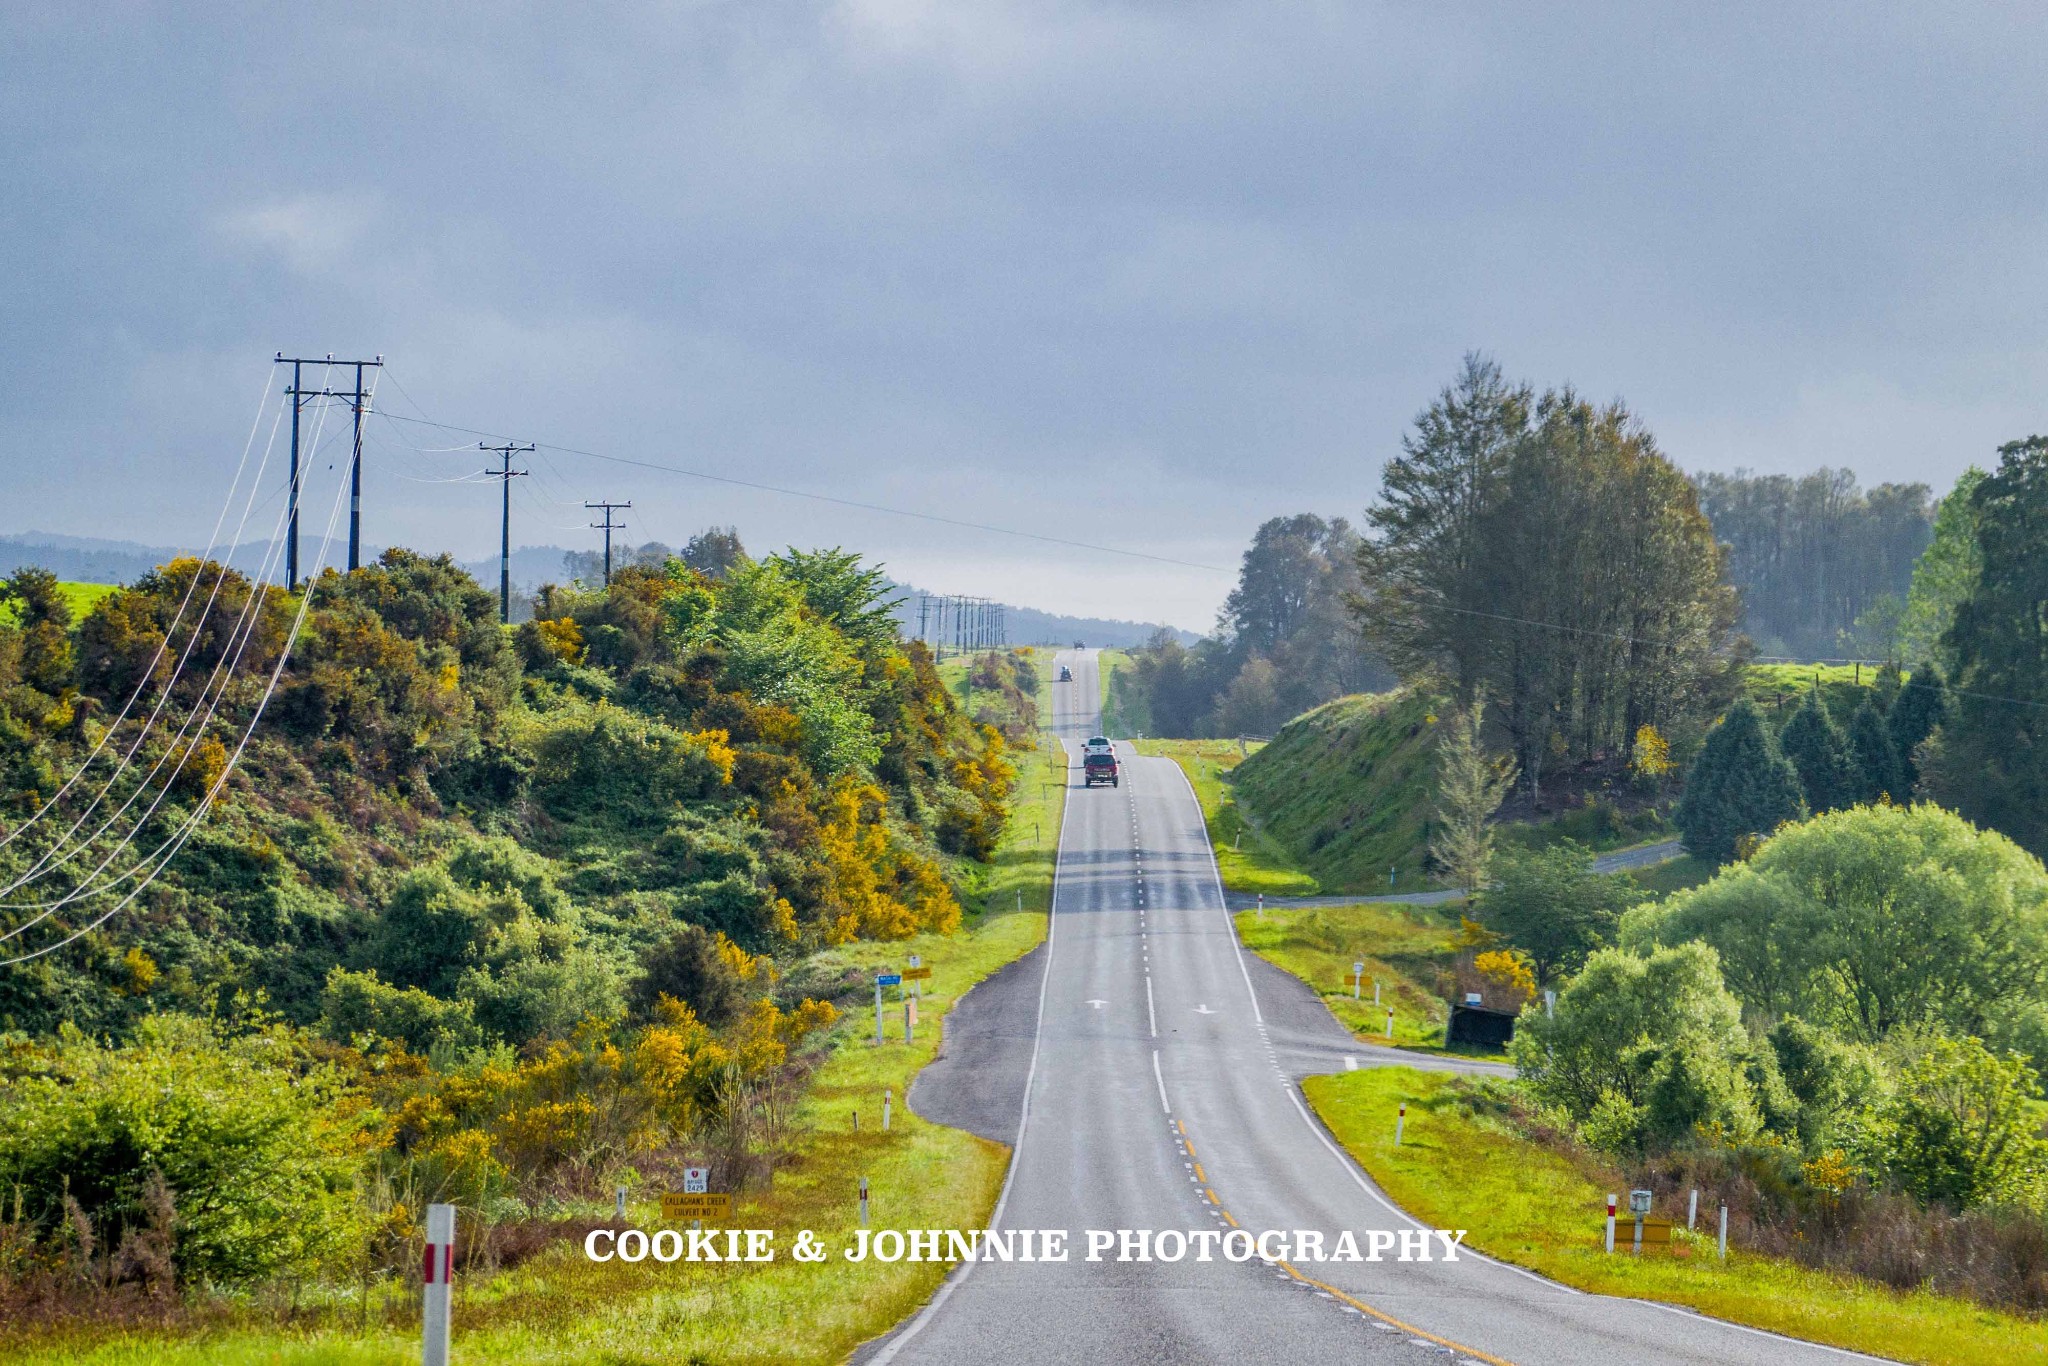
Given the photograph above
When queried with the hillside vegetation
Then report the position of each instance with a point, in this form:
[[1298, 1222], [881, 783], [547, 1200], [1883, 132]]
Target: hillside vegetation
[[1346, 789], [445, 911]]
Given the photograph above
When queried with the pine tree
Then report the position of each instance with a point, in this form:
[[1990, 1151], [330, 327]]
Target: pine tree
[[1470, 786], [1819, 752], [1921, 706], [1739, 785], [1874, 760]]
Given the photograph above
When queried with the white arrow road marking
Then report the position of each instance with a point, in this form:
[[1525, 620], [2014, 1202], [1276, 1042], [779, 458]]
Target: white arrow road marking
[[1203, 1010], [1097, 1004]]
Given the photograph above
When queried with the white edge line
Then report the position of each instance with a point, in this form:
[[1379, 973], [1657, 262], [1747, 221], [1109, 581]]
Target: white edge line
[[1150, 1017], [946, 1288], [1222, 901], [1162, 1082], [1351, 1166]]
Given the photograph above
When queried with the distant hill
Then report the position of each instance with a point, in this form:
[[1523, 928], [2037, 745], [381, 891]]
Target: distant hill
[[87, 559], [1029, 626]]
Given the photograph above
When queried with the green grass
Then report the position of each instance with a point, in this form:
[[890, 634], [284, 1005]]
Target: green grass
[[1463, 1165], [1346, 790], [1401, 946], [1251, 861], [81, 598], [1662, 879], [1778, 689], [560, 1308]]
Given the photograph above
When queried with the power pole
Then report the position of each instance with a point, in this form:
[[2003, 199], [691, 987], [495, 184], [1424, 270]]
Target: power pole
[[299, 394], [608, 526], [924, 604], [505, 474]]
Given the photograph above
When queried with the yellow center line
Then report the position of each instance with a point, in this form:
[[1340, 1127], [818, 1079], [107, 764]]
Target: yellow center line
[[1388, 1319], [1200, 1175], [1360, 1305]]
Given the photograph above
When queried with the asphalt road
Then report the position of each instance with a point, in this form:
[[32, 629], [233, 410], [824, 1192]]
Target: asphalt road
[[1158, 1091]]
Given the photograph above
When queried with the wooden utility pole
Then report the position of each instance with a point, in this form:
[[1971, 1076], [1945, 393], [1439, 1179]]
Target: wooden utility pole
[[608, 526]]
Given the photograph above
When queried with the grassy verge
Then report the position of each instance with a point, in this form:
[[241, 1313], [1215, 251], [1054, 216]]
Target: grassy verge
[[1399, 945], [1251, 861], [1462, 1165], [561, 1308], [1672, 875]]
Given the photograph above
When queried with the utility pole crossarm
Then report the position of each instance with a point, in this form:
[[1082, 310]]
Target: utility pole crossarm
[[608, 526], [358, 399]]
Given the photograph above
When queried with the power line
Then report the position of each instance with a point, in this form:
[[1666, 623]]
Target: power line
[[835, 500]]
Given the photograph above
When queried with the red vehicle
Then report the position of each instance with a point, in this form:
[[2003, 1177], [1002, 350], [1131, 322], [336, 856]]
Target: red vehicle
[[1099, 766]]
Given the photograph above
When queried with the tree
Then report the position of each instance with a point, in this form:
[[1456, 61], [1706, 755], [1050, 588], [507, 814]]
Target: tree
[[1553, 906], [1991, 759], [1651, 1044], [715, 552], [1915, 712], [1821, 562], [1819, 753], [1874, 762], [1875, 919], [1740, 785], [1470, 785], [1945, 573], [1958, 1127], [1547, 553]]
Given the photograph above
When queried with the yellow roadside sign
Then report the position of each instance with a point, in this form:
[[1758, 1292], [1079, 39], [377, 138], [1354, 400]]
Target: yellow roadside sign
[[674, 1206], [917, 974]]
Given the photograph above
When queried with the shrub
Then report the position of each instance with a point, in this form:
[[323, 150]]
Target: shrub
[[1957, 1128], [242, 1128]]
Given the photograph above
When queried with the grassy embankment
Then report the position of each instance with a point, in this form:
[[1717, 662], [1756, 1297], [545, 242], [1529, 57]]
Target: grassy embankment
[[1463, 1164], [560, 1308], [1123, 710]]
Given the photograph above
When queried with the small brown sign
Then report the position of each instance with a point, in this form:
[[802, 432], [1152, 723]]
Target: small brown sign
[[917, 974], [674, 1206], [1656, 1232]]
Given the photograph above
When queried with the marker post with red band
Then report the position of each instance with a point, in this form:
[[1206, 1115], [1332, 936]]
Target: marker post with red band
[[1400, 1123], [1610, 1223], [437, 1272]]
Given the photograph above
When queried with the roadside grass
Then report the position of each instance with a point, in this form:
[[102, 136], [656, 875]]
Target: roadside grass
[[1251, 861], [1399, 945], [562, 1308], [1463, 1165]]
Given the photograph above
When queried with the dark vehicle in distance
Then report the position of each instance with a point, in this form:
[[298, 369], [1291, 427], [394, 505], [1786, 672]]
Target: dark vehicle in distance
[[1099, 766], [1066, 674]]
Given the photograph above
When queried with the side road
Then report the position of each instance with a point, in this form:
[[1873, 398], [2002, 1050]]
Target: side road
[[1619, 861]]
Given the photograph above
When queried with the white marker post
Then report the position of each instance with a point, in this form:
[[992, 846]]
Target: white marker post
[[1400, 1122], [863, 1202], [1375, 991], [1724, 1233], [437, 1270], [1358, 980], [1610, 1223], [888, 1096], [622, 1204], [1692, 1208], [1390, 1022], [1262, 905]]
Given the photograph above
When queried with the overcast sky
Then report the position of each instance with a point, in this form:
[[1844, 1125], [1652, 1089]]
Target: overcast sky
[[1140, 275]]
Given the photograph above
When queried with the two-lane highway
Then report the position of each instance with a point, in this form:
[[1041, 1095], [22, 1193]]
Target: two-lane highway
[[1160, 1094]]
